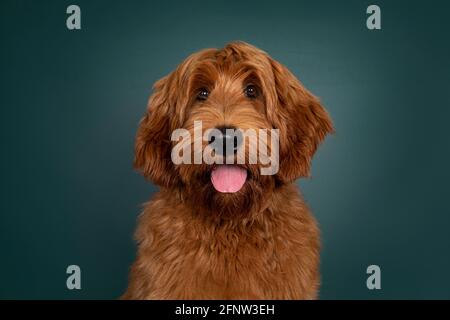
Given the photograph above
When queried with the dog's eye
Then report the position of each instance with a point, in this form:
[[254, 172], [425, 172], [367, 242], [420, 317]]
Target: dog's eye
[[251, 91], [202, 94]]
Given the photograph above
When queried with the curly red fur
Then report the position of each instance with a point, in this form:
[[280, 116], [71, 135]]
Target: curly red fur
[[258, 243]]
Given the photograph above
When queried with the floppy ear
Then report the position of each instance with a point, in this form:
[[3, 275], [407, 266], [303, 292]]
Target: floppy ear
[[302, 121], [153, 145]]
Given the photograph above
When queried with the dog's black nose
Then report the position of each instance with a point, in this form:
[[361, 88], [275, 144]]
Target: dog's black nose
[[231, 139]]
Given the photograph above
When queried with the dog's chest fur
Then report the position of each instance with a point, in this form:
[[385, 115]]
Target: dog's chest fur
[[183, 256]]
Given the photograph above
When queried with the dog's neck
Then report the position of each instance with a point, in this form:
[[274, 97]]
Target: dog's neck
[[281, 198]]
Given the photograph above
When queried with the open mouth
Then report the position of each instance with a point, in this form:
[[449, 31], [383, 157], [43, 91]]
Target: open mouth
[[228, 178]]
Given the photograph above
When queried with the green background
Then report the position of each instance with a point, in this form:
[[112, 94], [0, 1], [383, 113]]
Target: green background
[[71, 102]]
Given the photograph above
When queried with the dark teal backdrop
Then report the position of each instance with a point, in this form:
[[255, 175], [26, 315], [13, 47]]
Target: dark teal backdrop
[[71, 102]]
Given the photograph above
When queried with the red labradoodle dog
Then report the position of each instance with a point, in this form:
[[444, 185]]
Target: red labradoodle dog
[[227, 231]]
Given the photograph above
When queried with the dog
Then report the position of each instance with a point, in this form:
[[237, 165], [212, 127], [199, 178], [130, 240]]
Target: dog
[[255, 238]]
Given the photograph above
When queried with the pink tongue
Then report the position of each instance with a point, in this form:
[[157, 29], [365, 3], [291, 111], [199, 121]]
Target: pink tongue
[[228, 178]]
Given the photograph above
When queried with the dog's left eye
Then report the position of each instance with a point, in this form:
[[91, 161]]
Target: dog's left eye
[[202, 94], [251, 91]]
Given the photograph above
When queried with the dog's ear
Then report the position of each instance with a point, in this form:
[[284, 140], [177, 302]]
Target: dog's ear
[[153, 143], [302, 121]]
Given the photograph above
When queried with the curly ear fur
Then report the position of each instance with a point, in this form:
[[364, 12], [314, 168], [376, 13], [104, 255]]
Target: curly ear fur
[[302, 121], [153, 144]]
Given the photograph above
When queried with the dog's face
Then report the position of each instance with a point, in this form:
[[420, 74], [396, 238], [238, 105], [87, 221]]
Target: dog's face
[[238, 87]]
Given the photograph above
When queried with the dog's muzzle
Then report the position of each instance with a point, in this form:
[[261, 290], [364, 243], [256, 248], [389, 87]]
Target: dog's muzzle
[[231, 140]]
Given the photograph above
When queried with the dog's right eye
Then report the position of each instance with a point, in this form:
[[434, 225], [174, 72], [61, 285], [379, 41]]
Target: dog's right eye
[[202, 94]]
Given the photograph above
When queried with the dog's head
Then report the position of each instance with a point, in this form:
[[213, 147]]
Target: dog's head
[[237, 87]]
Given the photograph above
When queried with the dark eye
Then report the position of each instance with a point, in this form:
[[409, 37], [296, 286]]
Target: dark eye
[[202, 94], [251, 91]]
